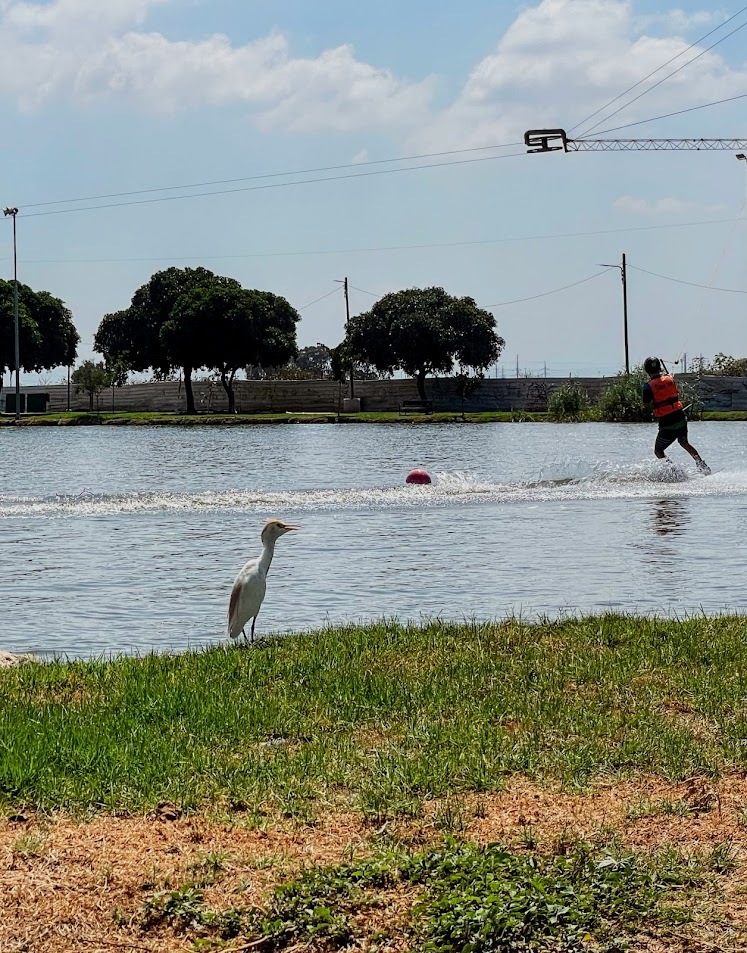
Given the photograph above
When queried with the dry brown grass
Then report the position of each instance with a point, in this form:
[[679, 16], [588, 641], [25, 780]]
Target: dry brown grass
[[68, 886]]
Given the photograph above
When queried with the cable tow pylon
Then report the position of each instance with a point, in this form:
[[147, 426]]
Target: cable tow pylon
[[556, 140]]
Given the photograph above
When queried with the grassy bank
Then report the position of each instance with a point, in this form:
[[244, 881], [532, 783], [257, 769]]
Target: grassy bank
[[379, 718], [81, 419], [487, 787]]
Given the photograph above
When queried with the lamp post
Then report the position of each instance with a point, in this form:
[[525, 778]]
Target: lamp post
[[742, 156], [14, 212], [624, 275]]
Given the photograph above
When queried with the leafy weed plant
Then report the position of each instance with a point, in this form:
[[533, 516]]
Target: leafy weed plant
[[463, 897]]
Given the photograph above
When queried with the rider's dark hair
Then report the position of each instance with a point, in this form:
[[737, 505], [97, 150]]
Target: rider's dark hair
[[652, 365]]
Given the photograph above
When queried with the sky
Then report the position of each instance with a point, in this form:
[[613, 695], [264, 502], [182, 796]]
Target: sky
[[157, 97]]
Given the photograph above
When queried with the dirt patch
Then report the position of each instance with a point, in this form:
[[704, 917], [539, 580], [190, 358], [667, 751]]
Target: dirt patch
[[67, 886]]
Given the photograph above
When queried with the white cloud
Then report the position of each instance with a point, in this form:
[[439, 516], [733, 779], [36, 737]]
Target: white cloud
[[680, 21], [88, 49], [559, 61], [663, 206], [74, 18]]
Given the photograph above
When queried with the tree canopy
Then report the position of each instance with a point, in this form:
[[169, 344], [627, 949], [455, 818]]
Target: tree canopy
[[423, 331], [90, 378], [316, 359], [231, 327], [134, 336], [47, 335]]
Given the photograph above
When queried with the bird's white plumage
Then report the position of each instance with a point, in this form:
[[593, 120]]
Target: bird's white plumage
[[250, 586]]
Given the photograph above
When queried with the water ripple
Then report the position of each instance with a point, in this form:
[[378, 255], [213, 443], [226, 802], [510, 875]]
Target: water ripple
[[562, 482]]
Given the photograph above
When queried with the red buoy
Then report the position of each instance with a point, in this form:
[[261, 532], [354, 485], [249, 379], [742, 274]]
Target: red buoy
[[420, 477]]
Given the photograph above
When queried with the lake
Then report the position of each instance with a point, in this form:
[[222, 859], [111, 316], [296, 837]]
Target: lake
[[129, 539]]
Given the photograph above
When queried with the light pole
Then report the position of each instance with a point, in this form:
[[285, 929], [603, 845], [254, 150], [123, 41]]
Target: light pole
[[14, 212], [624, 275], [742, 156]]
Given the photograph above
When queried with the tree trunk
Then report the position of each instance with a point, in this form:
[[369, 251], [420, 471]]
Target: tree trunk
[[188, 390], [420, 381], [227, 383], [90, 401]]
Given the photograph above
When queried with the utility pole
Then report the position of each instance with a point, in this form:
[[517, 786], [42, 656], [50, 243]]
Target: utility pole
[[68, 388], [14, 212], [344, 283], [624, 275], [517, 367]]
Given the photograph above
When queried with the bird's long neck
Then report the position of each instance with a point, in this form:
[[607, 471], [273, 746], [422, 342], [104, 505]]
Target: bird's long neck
[[268, 551]]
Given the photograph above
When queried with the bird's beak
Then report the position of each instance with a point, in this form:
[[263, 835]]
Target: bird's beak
[[290, 526]]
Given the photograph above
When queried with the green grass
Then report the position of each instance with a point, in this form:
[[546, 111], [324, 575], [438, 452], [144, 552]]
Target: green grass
[[725, 415], [80, 419], [462, 897], [378, 717]]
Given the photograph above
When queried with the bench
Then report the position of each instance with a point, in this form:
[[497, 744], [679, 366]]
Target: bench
[[416, 407]]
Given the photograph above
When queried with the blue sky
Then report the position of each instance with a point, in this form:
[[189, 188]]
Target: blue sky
[[123, 95]]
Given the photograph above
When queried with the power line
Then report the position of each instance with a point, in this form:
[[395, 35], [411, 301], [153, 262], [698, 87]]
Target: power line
[[641, 122], [544, 294], [371, 293], [663, 80], [274, 185], [658, 69], [693, 284], [269, 175], [381, 248], [321, 298]]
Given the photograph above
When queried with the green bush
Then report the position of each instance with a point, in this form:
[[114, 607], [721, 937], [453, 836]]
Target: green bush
[[622, 401], [690, 398], [568, 402]]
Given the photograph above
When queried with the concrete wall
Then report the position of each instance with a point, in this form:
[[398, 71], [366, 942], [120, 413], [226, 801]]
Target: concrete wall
[[717, 393], [723, 393]]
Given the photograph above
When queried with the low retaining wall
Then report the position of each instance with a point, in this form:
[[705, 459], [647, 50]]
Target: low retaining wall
[[530, 394]]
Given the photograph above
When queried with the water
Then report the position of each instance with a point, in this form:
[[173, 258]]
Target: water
[[128, 540]]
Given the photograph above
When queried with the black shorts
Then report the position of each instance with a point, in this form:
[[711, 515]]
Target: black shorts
[[665, 438]]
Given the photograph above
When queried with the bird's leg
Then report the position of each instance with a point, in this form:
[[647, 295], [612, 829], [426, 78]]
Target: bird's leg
[[243, 632], [253, 621]]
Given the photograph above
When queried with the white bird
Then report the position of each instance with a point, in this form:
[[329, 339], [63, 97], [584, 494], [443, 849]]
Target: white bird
[[251, 583]]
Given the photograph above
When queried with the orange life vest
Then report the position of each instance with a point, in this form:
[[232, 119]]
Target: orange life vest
[[666, 398]]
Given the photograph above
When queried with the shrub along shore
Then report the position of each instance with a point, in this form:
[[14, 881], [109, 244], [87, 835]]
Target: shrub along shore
[[486, 786], [157, 419]]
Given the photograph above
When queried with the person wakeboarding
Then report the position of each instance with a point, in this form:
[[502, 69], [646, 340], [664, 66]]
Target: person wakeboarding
[[660, 395]]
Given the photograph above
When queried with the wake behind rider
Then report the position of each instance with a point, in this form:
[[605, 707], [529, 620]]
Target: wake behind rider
[[661, 396]]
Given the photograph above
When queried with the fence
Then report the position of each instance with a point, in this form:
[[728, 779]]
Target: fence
[[531, 394]]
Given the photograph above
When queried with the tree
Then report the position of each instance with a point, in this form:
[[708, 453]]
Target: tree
[[90, 378], [59, 339], [467, 385], [423, 331], [122, 338], [47, 335], [134, 336], [727, 366], [341, 361], [317, 359], [230, 327]]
